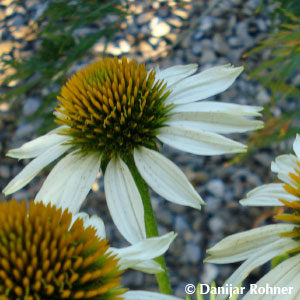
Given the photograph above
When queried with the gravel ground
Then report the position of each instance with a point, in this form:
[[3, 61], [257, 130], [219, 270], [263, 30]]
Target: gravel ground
[[165, 34]]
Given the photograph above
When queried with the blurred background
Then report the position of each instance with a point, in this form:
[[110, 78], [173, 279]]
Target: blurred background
[[44, 42]]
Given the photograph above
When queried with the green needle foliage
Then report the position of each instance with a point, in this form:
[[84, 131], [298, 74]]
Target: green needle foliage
[[61, 46], [276, 74]]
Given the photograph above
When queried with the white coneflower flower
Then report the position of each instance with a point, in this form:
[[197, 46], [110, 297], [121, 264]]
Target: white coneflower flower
[[115, 109], [287, 167], [47, 253], [257, 246]]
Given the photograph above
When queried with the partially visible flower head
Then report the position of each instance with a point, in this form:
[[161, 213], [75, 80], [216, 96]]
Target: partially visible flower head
[[113, 114], [42, 257], [259, 245], [47, 253], [113, 106]]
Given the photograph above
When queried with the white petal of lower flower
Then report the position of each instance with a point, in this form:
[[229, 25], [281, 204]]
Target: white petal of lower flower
[[70, 181], [242, 245], [34, 167], [283, 165], [174, 74], [285, 271], [144, 295], [148, 266], [165, 178], [296, 145], [82, 215], [219, 122], [203, 85], [198, 141], [97, 223], [257, 259], [268, 195], [146, 249], [124, 201], [221, 107], [39, 145]]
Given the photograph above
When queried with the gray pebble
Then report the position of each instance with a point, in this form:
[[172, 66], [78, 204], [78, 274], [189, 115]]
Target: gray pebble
[[191, 254], [263, 97], [181, 224], [4, 171], [216, 224], [210, 273], [216, 187], [144, 18], [30, 106], [208, 56]]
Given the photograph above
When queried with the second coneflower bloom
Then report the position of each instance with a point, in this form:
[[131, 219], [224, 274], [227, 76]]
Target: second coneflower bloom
[[257, 246], [114, 112], [47, 253]]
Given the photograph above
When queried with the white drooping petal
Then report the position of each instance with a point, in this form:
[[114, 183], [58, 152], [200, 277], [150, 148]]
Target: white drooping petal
[[260, 257], [39, 145], [144, 295], [69, 182], [296, 146], [94, 221], [174, 74], [268, 195], [219, 122], [34, 167], [165, 178], [283, 165], [97, 223], [82, 215], [144, 250], [203, 85], [198, 141], [283, 275], [220, 107], [242, 245], [148, 266], [124, 201]]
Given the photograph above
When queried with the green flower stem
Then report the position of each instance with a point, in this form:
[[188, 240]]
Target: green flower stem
[[150, 222]]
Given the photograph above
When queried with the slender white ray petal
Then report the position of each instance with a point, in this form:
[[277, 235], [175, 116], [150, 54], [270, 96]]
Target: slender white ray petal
[[242, 245], [34, 167], [124, 201], [148, 266], [257, 259], [296, 146], [283, 165], [203, 85], [198, 141], [268, 195], [287, 269], [39, 145], [174, 74], [165, 178], [219, 122], [70, 180], [94, 221], [97, 223], [82, 215], [146, 249], [144, 295], [221, 107]]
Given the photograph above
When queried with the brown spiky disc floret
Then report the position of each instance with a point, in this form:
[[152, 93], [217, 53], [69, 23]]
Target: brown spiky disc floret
[[112, 106], [42, 258]]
